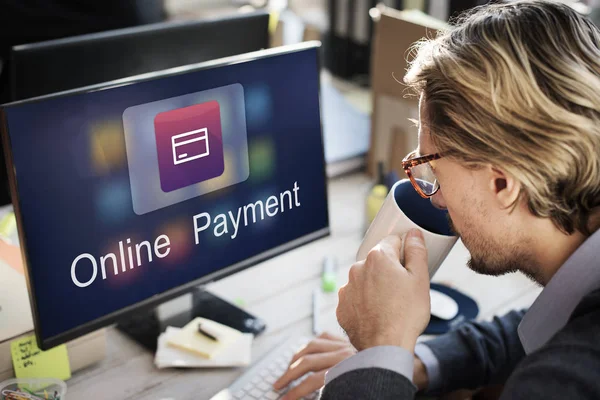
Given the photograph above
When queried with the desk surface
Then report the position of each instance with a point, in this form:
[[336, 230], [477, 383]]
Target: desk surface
[[279, 290]]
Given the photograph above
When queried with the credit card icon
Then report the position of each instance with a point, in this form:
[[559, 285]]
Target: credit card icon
[[189, 146]]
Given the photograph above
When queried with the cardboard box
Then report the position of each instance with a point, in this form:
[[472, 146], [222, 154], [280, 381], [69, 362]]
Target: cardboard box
[[311, 32], [393, 135], [276, 27]]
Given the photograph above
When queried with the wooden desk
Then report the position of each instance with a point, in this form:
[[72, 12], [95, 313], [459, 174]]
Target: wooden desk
[[279, 290]]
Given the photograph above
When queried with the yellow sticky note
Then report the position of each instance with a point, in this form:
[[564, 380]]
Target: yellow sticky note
[[31, 362], [273, 21], [8, 224]]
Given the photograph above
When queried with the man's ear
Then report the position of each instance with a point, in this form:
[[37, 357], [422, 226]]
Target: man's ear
[[504, 187]]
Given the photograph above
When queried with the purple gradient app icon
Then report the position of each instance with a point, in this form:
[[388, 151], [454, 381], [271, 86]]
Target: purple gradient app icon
[[189, 145], [186, 146]]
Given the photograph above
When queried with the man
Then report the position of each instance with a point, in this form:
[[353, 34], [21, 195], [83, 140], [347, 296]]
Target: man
[[510, 109]]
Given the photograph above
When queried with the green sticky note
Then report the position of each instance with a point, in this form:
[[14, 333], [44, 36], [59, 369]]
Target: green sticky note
[[31, 362]]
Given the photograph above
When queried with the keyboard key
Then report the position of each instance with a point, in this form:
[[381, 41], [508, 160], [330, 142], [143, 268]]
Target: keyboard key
[[256, 380], [257, 394], [239, 395], [271, 379], [248, 387], [264, 373], [279, 372], [264, 386], [272, 396]]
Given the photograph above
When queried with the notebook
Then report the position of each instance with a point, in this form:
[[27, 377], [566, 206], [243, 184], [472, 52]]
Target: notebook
[[189, 339], [237, 354]]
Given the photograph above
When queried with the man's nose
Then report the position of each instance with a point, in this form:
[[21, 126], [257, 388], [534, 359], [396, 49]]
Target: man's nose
[[438, 200]]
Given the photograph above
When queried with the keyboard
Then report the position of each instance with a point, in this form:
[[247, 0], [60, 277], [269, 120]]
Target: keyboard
[[257, 382]]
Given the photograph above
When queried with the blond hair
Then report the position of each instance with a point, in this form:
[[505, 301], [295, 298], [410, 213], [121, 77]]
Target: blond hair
[[517, 85]]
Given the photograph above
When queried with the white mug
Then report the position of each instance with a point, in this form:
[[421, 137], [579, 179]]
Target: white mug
[[403, 210]]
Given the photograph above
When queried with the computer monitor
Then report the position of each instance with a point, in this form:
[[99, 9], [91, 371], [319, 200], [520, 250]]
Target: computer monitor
[[63, 64], [131, 193]]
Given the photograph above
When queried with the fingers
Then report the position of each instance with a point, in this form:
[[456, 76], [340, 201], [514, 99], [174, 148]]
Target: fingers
[[390, 246], [313, 383], [319, 346], [415, 253], [311, 363], [343, 307], [354, 272]]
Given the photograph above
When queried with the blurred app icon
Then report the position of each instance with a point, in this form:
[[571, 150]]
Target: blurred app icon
[[107, 146]]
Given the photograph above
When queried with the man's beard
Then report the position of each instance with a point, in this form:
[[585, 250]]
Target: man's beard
[[488, 257], [525, 264]]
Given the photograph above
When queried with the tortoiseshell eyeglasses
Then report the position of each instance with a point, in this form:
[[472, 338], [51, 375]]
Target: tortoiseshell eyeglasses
[[420, 173]]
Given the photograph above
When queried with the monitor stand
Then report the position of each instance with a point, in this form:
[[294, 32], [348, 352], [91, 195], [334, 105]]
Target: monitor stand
[[145, 326]]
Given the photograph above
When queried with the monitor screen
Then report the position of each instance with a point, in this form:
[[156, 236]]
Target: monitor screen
[[131, 194]]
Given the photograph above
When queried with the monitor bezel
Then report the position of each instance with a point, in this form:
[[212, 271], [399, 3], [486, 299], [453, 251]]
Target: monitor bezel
[[136, 30], [155, 300]]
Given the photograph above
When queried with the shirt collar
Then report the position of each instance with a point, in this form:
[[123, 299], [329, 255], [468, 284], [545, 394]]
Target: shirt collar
[[550, 312]]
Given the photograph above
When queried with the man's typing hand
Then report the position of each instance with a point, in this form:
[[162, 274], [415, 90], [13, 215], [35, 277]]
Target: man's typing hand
[[317, 357], [384, 302]]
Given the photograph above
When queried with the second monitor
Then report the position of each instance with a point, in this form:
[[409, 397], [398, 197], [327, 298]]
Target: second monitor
[[63, 64]]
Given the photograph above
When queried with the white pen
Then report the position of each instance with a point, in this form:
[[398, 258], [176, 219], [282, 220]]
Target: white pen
[[316, 306], [208, 332]]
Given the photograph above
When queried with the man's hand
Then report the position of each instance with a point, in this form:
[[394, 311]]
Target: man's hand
[[317, 357], [385, 303]]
